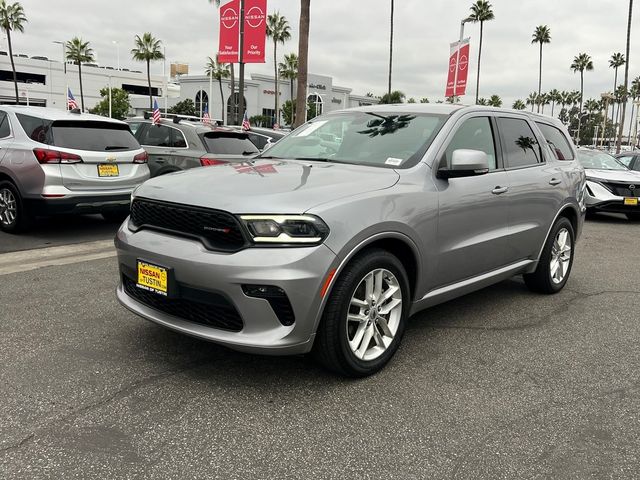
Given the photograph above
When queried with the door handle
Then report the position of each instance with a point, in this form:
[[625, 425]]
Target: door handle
[[555, 181], [500, 190], [160, 159]]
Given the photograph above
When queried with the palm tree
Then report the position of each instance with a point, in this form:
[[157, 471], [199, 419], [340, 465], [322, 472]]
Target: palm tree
[[554, 97], [494, 101], [634, 92], [541, 35], [532, 99], [592, 106], [482, 101], [519, 105], [303, 60], [621, 96], [626, 78], [279, 31], [217, 70], [581, 63], [289, 70], [148, 48], [391, 46], [480, 12], [12, 18], [615, 62], [396, 97], [79, 51], [543, 99]]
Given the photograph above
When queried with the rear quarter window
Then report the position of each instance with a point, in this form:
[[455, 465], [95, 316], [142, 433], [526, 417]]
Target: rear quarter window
[[36, 128], [557, 141], [227, 143]]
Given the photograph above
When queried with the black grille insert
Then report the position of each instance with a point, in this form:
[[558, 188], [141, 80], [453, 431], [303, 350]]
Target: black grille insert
[[623, 190], [217, 230], [216, 312]]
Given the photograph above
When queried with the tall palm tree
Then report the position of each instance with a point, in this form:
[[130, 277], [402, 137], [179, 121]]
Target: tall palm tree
[[391, 46], [519, 105], [541, 35], [616, 61], [554, 97], [79, 51], [279, 31], [582, 63], [543, 100], [494, 101], [634, 93], [621, 96], [532, 99], [480, 12], [147, 49], [217, 70], [12, 18], [626, 77], [303, 60], [289, 70]]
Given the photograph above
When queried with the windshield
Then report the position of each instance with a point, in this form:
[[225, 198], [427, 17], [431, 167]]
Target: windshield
[[392, 140], [600, 161]]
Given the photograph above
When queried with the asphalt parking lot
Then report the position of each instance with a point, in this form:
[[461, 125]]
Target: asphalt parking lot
[[501, 383]]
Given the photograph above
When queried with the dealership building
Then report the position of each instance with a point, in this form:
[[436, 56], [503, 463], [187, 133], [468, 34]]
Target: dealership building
[[43, 82]]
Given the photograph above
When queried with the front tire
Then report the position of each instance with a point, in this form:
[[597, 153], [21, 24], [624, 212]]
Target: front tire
[[554, 266], [14, 216], [365, 316]]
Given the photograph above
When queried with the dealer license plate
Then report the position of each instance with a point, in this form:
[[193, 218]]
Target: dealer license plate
[[108, 170], [152, 278], [631, 201]]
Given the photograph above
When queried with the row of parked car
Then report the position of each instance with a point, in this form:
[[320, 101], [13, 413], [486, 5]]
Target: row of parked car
[[53, 161]]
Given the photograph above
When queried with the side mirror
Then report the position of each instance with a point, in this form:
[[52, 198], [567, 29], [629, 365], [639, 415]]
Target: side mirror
[[466, 163]]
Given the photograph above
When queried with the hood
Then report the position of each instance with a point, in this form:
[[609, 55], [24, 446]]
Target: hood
[[267, 186], [621, 176]]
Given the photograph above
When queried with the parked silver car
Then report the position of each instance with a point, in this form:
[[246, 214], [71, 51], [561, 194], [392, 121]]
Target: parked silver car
[[53, 161], [335, 235], [611, 186]]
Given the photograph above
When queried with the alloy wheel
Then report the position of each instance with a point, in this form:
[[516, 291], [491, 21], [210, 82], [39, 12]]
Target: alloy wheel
[[374, 314], [8, 207], [560, 256]]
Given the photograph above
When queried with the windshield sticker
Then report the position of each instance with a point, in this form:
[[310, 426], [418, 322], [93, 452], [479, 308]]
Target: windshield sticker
[[311, 128], [393, 161]]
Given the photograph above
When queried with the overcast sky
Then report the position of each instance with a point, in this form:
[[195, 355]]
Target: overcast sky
[[350, 39]]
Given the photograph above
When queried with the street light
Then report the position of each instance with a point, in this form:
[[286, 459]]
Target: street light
[[117, 51]]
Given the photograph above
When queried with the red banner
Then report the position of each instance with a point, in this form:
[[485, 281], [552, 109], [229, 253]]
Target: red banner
[[255, 30], [458, 69], [229, 32]]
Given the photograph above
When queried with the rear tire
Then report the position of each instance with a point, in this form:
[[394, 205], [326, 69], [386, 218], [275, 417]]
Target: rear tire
[[116, 216], [554, 266], [635, 217], [357, 336], [14, 215]]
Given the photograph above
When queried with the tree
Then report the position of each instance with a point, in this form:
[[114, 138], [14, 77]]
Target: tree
[[79, 51], [396, 97], [185, 107], [303, 60], [480, 12], [289, 70], [581, 63], [621, 96], [532, 99], [391, 46], [12, 18], [217, 71], [634, 93], [626, 77], [279, 31], [494, 101], [615, 62], [554, 97], [519, 105], [412, 100], [120, 103], [541, 35], [424, 100], [147, 49], [482, 101], [542, 101], [288, 112]]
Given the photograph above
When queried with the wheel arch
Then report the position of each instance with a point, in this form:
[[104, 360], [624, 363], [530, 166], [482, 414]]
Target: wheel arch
[[568, 211]]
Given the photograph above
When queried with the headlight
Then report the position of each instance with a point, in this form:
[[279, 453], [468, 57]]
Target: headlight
[[285, 229]]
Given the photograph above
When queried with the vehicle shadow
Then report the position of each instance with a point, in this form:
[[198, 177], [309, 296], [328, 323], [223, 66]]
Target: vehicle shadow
[[608, 218]]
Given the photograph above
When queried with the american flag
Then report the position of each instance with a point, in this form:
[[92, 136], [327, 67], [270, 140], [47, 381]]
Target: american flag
[[155, 118], [245, 122], [71, 101], [205, 116]]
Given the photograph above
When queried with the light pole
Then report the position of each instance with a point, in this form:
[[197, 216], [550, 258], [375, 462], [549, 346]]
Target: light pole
[[64, 63], [455, 75], [117, 44]]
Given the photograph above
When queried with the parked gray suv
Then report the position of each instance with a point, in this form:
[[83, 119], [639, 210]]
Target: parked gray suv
[[53, 161], [333, 237]]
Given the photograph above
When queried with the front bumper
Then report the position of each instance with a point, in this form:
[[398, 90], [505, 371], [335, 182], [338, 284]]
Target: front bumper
[[300, 272], [599, 198]]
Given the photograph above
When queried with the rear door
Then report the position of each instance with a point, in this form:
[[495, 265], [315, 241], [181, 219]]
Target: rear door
[[107, 150], [156, 140]]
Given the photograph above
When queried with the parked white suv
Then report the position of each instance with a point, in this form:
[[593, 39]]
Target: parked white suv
[[53, 161]]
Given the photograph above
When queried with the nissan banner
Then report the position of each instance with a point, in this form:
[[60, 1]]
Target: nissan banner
[[229, 32], [255, 26], [458, 69]]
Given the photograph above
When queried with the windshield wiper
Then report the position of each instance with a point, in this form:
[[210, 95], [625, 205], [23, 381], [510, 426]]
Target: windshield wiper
[[115, 147]]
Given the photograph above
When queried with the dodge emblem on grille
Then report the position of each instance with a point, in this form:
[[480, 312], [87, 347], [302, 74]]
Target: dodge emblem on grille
[[214, 229]]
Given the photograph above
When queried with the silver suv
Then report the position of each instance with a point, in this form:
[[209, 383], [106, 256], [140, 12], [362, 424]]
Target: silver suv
[[53, 161], [333, 237]]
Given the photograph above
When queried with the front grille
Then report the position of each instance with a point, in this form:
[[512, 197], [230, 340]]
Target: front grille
[[623, 189], [216, 229], [216, 312]]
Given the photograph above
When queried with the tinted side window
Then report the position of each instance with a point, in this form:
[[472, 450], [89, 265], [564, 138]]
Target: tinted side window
[[521, 147], [5, 129], [135, 127], [474, 134], [258, 140], [177, 139], [156, 136], [557, 141], [36, 128], [228, 143]]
